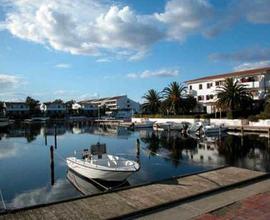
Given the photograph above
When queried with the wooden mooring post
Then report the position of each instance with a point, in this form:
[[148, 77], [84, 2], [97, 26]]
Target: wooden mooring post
[[138, 145], [45, 136], [55, 136], [52, 164]]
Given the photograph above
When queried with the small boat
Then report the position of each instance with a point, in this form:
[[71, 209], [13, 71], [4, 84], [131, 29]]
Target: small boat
[[213, 129], [195, 128], [97, 164], [200, 128], [143, 123], [168, 126]]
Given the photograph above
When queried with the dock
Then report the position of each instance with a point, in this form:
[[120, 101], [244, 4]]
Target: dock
[[132, 201], [248, 128]]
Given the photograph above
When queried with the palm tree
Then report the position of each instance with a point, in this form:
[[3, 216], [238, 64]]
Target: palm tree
[[173, 95], [152, 101], [232, 96]]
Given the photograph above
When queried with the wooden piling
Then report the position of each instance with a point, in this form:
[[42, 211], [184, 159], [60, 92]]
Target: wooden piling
[[45, 136], [55, 136], [52, 164]]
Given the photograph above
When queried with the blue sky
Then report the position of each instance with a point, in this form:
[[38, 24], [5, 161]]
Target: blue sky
[[59, 49]]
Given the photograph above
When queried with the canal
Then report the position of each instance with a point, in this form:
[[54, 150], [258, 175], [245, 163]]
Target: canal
[[27, 177]]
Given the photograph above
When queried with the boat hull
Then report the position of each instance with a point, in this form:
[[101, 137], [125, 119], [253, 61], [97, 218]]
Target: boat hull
[[93, 173]]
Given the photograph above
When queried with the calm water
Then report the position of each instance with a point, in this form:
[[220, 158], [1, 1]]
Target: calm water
[[25, 172]]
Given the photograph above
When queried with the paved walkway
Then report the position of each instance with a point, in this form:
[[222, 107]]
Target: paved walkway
[[139, 199], [254, 207], [251, 201]]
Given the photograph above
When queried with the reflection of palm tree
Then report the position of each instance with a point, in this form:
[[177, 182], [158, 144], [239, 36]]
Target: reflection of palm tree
[[173, 96], [232, 150], [152, 101], [174, 144]]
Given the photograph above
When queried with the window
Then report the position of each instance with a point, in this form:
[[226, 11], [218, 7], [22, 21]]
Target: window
[[211, 96], [200, 97], [207, 97], [209, 85], [217, 83], [190, 87], [200, 86]]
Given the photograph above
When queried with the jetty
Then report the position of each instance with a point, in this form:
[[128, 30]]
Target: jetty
[[131, 201]]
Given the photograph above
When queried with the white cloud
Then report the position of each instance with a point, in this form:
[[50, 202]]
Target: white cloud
[[85, 27], [63, 65], [9, 81], [59, 191], [103, 60], [245, 55], [255, 12], [183, 17], [88, 96], [157, 73], [252, 65], [95, 27]]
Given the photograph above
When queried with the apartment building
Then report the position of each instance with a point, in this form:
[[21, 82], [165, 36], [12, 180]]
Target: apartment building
[[118, 106], [205, 89]]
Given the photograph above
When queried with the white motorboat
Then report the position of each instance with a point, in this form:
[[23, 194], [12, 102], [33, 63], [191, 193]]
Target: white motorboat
[[213, 129], [143, 123], [201, 128], [102, 166], [166, 126]]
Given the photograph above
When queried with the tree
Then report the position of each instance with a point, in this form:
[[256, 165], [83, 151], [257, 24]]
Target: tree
[[189, 103], [32, 103], [69, 106], [152, 101], [233, 96], [173, 96], [58, 101], [2, 108]]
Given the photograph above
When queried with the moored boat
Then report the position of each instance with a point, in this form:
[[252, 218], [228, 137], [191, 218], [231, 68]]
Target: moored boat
[[143, 123], [103, 166]]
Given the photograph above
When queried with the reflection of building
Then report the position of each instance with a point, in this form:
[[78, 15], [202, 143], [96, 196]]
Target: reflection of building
[[118, 106], [16, 109], [206, 152], [205, 89]]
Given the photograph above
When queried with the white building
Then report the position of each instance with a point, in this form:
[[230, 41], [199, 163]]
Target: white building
[[118, 106], [53, 108], [16, 108], [205, 89]]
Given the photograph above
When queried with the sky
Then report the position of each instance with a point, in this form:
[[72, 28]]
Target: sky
[[85, 49]]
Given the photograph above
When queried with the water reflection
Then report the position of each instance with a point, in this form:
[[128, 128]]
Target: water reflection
[[250, 151], [60, 191], [90, 187], [25, 159]]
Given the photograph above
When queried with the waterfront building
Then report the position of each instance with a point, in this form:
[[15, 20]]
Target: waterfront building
[[55, 108], [117, 106], [86, 108], [205, 89], [16, 109]]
